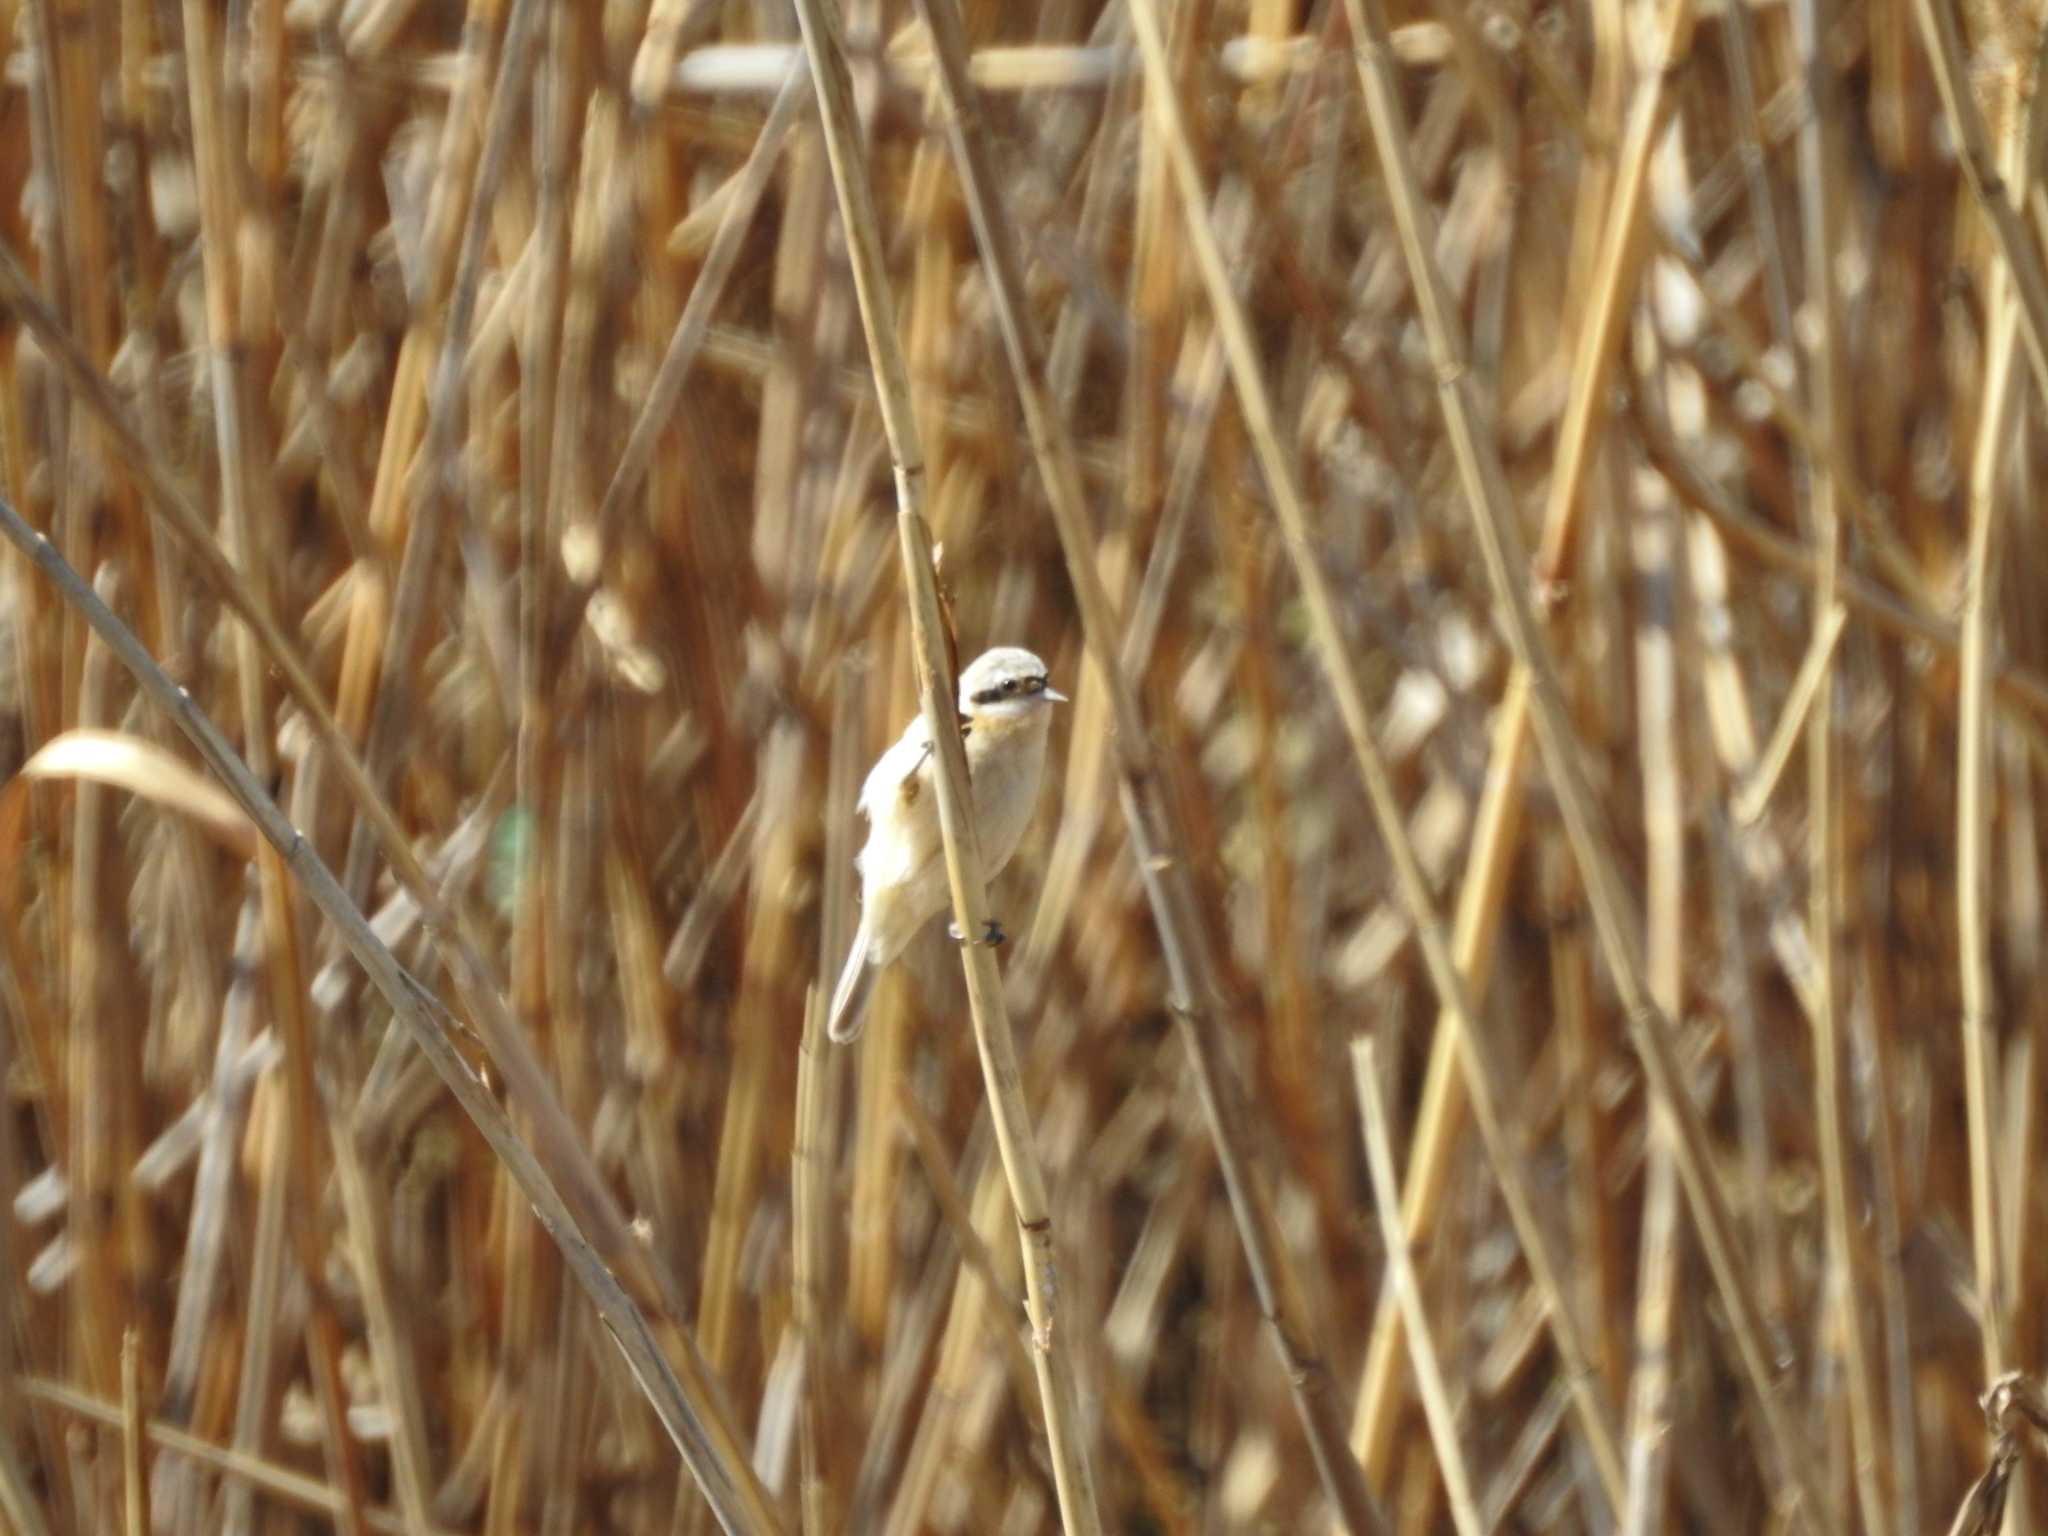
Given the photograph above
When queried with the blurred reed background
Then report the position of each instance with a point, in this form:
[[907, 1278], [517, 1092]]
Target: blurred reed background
[[508, 353]]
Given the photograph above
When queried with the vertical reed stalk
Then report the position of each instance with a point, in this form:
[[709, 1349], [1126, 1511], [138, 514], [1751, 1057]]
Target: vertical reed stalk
[[1072, 1474], [2000, 432], [1654, 535], [1826, 879], [134, 1486], [1997, 419]]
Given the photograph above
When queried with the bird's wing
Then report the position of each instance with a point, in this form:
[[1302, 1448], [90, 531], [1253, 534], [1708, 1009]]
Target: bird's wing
[[899, 794], [903, 769], [895, 767]]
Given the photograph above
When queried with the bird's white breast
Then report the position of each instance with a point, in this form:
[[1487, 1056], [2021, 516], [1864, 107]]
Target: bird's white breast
[[1005, 760]]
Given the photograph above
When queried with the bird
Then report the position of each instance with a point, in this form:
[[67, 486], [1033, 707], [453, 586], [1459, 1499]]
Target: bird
[[1006, 701]]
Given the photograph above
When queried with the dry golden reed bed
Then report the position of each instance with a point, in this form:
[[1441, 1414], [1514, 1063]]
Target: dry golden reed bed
[[1486, 473]]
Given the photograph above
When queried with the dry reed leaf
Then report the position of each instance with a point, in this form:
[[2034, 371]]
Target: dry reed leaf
[[1983, 1509], [138, 766]]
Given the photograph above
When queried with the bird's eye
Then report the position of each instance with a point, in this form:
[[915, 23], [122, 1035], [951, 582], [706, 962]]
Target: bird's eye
[[1009, 685]]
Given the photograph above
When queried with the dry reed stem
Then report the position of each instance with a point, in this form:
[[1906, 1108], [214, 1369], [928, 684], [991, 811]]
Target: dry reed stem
[[1827, 401], [1053, 1356], [1999, 428], [238, 435], [366, 1220], [1440, 1113], [1507, 573], [1621, 247], [974, 1253], [1654, 538], [810, 1246], [71, 146], [1749, 800], [324, 1333], [134, 1486], [1886, 1183], [1650, 1392], [206, 1233], [1422, 1353]]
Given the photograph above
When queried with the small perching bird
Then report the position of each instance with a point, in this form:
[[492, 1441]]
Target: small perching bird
[[1006, 707]]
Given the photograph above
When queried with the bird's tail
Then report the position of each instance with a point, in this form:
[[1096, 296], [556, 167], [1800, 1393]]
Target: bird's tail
[[850, 997]]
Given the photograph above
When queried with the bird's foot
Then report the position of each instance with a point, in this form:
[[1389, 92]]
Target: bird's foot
[[991, 935]]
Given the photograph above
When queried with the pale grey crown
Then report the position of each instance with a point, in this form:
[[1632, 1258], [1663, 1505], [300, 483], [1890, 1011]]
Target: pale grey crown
[[1007, 679]]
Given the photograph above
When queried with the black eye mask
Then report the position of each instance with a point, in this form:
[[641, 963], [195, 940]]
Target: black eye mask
[[1010, 689]]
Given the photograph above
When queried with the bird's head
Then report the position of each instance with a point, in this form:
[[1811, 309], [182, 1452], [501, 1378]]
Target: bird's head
[[1007, 683]]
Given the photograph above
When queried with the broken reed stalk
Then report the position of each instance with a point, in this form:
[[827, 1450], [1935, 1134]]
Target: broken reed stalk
[[1407, 1290], [1156, 835], [528, 1084], [430, 1027], [1073, 1477], [1785, 1457], [1593, 1415]]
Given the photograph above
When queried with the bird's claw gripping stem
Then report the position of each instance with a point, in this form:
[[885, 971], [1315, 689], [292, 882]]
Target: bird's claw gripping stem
[[992, 934]]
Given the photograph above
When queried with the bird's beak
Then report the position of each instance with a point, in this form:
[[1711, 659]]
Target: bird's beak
[[1055, 695]]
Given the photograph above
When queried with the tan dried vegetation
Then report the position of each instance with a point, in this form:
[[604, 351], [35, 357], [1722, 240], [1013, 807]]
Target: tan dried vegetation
[[1486, 474]]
